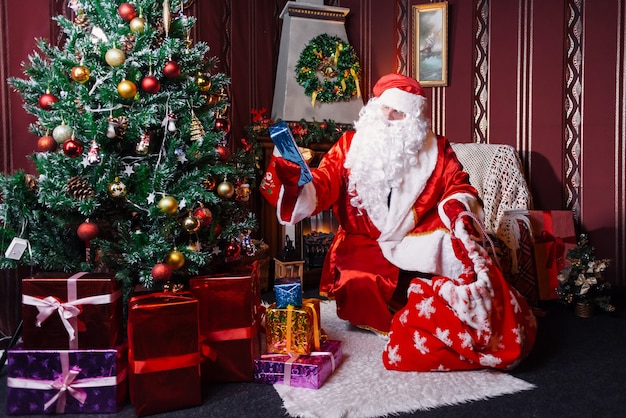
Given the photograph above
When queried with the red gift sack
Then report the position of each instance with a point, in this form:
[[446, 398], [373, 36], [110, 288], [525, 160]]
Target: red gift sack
[[163, 352]]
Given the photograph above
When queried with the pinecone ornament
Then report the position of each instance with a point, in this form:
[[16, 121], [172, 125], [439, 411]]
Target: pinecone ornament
[[31, 182], [128, 43], [159, 28], [82, 21], [79, 188]]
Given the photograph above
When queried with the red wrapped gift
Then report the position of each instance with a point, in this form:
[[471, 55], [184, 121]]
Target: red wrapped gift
[[230, 324], [83, 311], [553, 235], [163, 352]]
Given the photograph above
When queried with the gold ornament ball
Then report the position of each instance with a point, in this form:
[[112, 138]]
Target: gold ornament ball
[[117, 189], [115, 57], [138, 24], [191, 224], [127, 89], [225, 190], [168, 205], [175, 259], [81, 74], [203, 82]]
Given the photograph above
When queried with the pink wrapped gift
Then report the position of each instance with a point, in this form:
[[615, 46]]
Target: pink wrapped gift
[[298, 370], [83, 311]]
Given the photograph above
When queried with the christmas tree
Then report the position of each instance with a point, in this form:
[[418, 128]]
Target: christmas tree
[[134, 172]]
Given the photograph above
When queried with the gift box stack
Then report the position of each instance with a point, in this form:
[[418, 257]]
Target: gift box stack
[[230, 323], [73, 357], [298, 351]]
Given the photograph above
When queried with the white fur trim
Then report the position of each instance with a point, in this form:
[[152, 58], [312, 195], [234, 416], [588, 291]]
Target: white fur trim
[[427, 253], [401, 100], [305, 205], [400, 220]]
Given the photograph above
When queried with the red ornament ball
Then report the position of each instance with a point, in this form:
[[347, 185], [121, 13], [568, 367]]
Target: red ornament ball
[[204, 215], [223, 153], [47, 144], [46, 100], [87, 231], [150, 84], [127, 11], [171, 69], [73, 148], [222, 125], [232, 250], [161, 272]]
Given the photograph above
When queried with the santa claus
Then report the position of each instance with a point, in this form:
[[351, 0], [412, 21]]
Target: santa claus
[[398, 190]]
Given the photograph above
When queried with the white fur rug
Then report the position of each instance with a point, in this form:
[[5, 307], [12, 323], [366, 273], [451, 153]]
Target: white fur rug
[[362, 387]]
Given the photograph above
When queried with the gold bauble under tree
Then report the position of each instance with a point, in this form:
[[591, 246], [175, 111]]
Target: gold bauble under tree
[[168, 205], [127, 89], [115, 57], [203, 82], [191, 224], [117, 189], [175, 259], [225, 190], [138, 24], [81, 74]]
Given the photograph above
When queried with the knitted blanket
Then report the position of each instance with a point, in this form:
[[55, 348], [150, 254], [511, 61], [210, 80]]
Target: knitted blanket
[[496, 172]]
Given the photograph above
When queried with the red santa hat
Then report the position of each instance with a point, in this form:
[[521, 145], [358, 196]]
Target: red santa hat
[[399, 92]]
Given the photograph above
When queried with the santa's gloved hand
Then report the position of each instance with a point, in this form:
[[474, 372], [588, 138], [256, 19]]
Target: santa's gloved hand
[[288, 174], [453, 208]]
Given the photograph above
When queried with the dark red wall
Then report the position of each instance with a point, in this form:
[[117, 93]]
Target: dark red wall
[[552, 85]]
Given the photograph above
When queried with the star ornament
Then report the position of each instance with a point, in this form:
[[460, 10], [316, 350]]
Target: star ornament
[[128, 170], [151, 198]]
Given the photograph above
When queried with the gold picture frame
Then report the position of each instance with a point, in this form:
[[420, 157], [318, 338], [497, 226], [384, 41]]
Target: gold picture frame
[[430, 44]]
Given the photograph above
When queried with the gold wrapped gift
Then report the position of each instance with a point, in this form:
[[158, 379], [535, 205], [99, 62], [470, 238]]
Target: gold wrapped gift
[[293, 330]]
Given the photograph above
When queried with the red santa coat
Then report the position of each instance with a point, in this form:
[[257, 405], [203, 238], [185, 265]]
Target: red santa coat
[[361, 268]]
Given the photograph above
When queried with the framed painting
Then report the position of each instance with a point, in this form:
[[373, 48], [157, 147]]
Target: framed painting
[[430, 44]]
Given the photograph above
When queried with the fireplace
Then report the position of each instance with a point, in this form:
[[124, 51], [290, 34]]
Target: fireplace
[[315, 235]]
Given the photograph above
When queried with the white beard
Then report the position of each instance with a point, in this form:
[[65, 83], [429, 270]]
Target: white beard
[[379, 155]]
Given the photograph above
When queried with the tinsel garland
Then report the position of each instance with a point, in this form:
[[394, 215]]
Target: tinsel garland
[[336, 63]]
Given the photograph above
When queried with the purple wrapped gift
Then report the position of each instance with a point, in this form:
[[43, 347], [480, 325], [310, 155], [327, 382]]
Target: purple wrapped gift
[[66, 381], [306, 371]]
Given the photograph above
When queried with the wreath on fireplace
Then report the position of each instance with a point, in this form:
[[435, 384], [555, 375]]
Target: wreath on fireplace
[[328, 69]]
